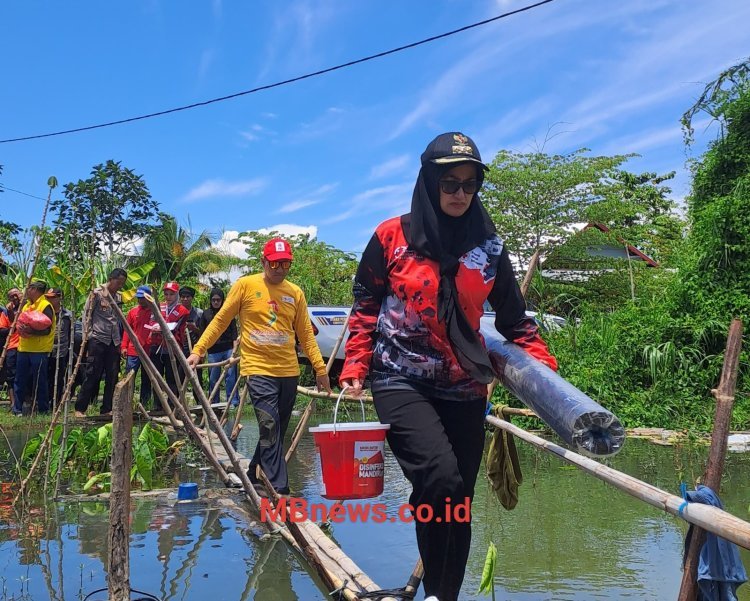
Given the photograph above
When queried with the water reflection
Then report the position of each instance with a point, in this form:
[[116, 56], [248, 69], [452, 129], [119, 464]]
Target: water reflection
[[570, 537]]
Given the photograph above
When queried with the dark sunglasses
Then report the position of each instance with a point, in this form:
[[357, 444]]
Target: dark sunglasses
[[216, 300], [277, 264], [451, 186]]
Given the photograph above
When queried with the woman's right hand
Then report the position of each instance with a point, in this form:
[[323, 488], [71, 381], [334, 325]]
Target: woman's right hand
[[354, 386]]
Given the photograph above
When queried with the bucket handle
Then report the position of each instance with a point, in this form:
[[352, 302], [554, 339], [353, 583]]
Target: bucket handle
[[336, 408]]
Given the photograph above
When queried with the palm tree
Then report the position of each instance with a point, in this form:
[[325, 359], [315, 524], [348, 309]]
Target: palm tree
[[179, 254]]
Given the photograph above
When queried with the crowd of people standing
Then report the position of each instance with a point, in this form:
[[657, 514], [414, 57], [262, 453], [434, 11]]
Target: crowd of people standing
[[39, 362]]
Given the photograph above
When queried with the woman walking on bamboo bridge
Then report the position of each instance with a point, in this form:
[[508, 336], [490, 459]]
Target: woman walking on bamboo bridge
[[419, 294]]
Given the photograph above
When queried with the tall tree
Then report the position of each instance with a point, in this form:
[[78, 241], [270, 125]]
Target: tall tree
[[638, 209], [716, 276], [179, 254], [107, 211], [534, 198]]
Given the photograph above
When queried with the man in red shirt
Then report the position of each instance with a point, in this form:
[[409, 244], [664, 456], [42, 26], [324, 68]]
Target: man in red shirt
[[174, 313], [138, 318]]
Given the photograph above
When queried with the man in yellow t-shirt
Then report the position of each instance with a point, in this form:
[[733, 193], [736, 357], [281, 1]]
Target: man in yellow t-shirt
[[272, 312], [34, 348]]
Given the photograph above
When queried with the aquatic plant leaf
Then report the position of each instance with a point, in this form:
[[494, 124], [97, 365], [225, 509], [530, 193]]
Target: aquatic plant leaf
[[31, 448], [487, 584], [103, 477], [144, 462]]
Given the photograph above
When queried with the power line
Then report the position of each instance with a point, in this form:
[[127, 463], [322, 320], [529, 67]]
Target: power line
[[4, 187], [284, 82]]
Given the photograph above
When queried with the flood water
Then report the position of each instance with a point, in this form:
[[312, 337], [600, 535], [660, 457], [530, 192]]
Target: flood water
[[570, 537]]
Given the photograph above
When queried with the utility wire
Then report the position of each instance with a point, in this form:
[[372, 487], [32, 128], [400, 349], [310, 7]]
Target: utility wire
[[4, 187], [284, 82]]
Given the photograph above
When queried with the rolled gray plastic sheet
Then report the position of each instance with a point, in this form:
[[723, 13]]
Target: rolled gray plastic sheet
[[576, 418]]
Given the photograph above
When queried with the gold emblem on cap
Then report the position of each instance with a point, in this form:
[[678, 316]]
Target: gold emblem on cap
[[462, 150], [462, 145]]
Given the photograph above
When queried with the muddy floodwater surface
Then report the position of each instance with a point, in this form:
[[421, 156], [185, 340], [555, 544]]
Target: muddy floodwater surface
[[570, 537]]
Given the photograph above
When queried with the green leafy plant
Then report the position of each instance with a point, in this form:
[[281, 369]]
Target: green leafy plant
[[487, 584], [87, 454]]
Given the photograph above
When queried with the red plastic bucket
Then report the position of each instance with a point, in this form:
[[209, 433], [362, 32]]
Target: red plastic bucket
[[351, 457]]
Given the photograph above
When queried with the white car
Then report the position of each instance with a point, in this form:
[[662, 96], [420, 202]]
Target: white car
[[327, 323]]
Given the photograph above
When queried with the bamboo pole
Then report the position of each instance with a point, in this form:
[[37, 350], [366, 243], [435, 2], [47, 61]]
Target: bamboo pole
[[160, 386], [303, 543], [412, 585], [118, 580], [710, 518], [52, 183], [198, 390], [56, 413], [324, 395], [724, 396], [225, 416], [243, 399], [69, 370], [302, 423], [527, 279]]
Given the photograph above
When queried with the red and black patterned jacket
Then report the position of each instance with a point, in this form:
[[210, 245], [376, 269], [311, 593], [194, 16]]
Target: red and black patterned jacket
[[395, 332]]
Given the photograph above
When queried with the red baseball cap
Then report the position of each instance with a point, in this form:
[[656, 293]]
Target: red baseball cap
[[173, 286], [277, 249]]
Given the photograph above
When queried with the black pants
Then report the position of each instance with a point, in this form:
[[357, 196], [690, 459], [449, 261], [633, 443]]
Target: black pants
[[57, 370], [273, 401], [438, 445], [100, 359], [163, 365]]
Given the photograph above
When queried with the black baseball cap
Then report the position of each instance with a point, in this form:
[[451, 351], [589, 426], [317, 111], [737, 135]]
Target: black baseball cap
[[452, 148], [53, 293], [187, 291]]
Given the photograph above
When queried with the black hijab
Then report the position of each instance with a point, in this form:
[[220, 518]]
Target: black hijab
[[445, 239]]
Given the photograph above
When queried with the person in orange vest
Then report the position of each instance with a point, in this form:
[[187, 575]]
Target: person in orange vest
[[7, 315], [34, 348]]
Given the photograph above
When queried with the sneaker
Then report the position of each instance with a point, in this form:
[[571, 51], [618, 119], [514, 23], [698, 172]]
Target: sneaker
[[432, 598]]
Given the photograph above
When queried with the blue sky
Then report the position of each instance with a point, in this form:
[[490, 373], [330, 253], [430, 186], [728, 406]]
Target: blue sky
[[337, 154]]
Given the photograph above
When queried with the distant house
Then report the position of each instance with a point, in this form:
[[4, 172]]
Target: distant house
[[561, 266]]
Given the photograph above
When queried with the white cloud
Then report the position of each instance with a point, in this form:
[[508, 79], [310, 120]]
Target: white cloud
[[390, 167], [256, 132], [331, 120], [393, 199], [228, 244], [308, 199], [290, 229], [207, 57], [294, 34], [214, 188], [297, 205]]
